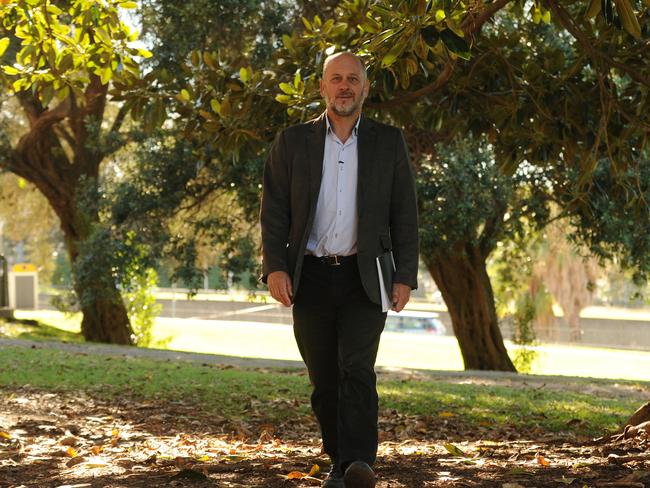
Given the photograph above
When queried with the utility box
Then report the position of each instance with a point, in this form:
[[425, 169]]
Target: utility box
[[23, 287]]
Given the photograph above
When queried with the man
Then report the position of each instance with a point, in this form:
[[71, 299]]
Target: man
[[338, 193]]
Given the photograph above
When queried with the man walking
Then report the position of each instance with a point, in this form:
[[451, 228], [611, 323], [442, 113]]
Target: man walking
[[338, 194]]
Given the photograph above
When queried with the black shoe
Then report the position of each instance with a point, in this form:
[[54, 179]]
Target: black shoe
[[334, 478], [359, 475]]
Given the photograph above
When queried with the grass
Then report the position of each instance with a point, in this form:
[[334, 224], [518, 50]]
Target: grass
[[396, 350], [231, 392]]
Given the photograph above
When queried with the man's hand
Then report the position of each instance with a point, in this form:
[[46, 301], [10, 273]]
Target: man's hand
[[401, 295], [280, 287]]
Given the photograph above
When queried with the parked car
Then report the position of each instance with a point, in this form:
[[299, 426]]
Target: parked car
[[414, 321]]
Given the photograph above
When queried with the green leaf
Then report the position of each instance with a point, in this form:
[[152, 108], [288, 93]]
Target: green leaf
[[215, 105], [455, 44], [10, 70], [128, 5], [185, 95], [243, 75], [283, 98], [225, 108], [454, 450], [106, 75], [208, 60], [393, 54], [287, 88], [4, 44], [430, 35]]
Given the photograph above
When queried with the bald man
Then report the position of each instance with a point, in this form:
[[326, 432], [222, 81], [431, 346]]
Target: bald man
[[338, 194]]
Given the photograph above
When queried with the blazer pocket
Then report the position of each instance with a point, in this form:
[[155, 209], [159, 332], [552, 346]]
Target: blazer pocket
[[386, 243]]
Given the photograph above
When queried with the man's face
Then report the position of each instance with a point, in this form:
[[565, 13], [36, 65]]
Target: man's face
[[344, 86]]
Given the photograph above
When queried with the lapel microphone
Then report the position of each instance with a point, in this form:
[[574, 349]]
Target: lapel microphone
[[341, 162]]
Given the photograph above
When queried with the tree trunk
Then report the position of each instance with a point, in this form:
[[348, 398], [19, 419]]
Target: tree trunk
[[104, 315], [59, 155], [465, 286], [105, 318]]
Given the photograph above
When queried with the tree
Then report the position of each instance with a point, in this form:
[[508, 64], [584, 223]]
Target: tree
[[440, 70], [58, 60], [466, 208], [567, 275], [413, 50], [200, 189]]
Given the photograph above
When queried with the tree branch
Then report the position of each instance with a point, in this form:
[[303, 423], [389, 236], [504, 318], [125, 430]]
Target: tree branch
[[43, 121], [471, 25], [119, 120], [40, 119], [568, 23], [442, 78]]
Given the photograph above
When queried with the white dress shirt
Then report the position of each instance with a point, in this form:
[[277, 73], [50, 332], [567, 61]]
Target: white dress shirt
[[335, 224]]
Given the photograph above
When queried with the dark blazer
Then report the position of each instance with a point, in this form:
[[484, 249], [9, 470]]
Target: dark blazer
[[386, 201]]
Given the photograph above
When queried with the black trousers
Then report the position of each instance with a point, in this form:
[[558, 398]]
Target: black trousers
[[337, 329]]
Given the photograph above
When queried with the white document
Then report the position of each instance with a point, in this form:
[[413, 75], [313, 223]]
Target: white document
[[386, 298]]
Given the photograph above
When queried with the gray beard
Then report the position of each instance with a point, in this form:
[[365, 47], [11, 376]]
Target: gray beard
[[344, 111]]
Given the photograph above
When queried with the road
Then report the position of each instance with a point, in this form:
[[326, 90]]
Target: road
[[597, 331]]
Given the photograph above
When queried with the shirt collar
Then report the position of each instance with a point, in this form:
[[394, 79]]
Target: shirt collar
[[355, 130]]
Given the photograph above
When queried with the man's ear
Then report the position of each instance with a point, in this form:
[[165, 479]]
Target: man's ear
[[322, 89], [366, 88]]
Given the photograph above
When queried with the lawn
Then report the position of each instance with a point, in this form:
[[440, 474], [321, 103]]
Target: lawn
[[396, 350]]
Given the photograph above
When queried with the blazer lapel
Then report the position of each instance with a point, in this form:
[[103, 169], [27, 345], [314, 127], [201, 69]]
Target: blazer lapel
[[366, 157], [316, 150]]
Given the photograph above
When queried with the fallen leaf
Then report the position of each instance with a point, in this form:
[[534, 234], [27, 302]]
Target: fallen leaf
[[512, 485], [71, 452], [315, 469], [74, 461], [95, 464], [541, 460], [234, 458], [296, 475], [454, 450], [519, 472], [5, 435], [563, 480], [69, 441], [446, 414], [95, 450]]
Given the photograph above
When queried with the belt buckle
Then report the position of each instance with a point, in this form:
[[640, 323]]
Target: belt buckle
[[333, 261]]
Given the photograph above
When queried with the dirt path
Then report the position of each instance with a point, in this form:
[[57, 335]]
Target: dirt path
[[63, 440]]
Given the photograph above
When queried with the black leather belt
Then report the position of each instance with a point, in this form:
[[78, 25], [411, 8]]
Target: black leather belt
[[333, 260]]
